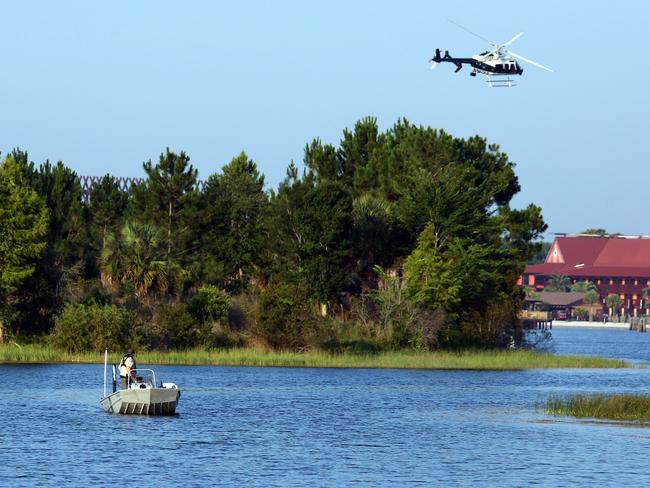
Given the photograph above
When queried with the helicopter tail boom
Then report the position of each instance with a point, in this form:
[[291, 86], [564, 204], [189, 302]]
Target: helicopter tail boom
[[447, 58]]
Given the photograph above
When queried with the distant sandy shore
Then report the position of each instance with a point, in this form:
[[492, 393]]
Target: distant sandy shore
[[594, 325]]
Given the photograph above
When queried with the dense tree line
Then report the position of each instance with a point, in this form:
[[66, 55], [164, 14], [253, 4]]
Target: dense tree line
[[402, 238]]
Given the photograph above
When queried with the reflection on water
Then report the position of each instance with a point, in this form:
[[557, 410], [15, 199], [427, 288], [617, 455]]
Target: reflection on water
[[327, 427]]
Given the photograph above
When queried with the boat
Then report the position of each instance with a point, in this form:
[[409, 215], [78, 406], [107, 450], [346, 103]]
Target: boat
[[142, 396]]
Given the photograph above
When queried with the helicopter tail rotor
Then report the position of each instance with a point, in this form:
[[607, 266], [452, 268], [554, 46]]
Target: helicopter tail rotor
[[435, 60]]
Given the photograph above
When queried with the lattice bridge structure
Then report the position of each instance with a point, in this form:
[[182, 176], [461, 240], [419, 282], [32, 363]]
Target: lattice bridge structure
[[123, 183]]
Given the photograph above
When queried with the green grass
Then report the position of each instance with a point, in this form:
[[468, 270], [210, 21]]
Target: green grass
[[611, 407], [476, 360]]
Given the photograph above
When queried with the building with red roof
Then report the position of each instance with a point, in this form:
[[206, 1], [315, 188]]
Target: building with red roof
[[615, 264]]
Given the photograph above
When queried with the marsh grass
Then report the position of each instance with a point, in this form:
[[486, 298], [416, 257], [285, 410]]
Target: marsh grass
[[473, 360], [598, 406]]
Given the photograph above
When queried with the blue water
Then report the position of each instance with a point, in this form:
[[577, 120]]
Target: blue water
[[327, 427], [613, 343]]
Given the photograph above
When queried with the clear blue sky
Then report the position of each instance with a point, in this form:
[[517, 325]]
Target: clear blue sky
[[105, 87]]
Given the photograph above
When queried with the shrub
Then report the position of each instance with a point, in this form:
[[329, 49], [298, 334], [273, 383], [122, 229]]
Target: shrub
[[174, 327], [93, 327], [342, 335], [96, 294], [243, 311], [284, 318], [581, 313], [495, 326], [219, 336], [400, 316], [210, 304]]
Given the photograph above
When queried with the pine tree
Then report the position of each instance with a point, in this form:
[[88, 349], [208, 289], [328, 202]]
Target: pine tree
[[167, 199], [23, 227], [67, 253], [107, 205], [234, 205]]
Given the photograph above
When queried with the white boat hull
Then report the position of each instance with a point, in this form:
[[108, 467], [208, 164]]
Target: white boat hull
[[145, 401]]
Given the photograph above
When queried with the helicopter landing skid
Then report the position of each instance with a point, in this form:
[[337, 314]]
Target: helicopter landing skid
[[500, 83]]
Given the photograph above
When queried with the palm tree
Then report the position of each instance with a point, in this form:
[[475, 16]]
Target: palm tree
[[137, 256], [613, 301], [531, 292], [591, 297], [373, 221], [583, 286], [646, 299], [558, 282]]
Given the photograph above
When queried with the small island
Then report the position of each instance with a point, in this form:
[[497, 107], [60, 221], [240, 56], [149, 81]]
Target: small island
[[623, 407], [396, 249]]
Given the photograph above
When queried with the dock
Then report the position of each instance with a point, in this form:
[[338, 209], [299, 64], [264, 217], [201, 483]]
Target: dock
[[639, 324], [536, 320]]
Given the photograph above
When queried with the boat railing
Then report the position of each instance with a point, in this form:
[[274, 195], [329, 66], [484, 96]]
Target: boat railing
[[141, 378]]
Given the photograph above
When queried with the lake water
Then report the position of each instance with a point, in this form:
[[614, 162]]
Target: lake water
[[327, 427]]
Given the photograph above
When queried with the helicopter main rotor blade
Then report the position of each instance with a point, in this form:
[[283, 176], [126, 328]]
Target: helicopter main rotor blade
[[529, 61], [434, 65], [473, 33], [505, 44]]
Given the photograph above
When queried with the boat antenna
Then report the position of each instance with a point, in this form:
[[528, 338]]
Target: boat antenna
[[105, 363]]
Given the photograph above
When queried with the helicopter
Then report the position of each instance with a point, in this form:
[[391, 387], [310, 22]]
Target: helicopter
[[498, 65]]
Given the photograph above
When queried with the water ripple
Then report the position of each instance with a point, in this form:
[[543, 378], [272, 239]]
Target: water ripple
[[272, 427]]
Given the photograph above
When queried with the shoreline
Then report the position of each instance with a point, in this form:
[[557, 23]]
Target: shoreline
[[489, 360]]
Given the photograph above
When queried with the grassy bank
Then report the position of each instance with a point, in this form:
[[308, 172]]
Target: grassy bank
[[478, 360], [612, 407]]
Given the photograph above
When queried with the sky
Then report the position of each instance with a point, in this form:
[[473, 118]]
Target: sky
[[104, 86]]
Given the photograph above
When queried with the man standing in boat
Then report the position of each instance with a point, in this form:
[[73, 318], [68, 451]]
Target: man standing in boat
[[127, 367]]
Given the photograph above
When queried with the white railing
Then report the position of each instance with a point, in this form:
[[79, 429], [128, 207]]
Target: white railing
[[144, 377]]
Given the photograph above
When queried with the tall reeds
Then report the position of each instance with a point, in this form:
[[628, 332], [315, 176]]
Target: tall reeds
[[472, 360], [599, 406]]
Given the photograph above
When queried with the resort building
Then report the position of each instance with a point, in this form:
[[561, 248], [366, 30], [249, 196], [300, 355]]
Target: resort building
[[562, 306], [616, 265]]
